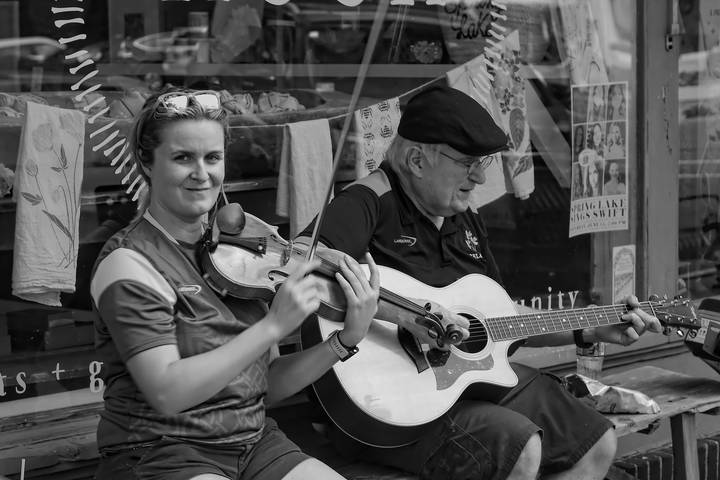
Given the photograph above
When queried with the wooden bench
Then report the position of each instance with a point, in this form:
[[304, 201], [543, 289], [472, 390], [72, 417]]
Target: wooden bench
[[680, 397], [62, 445]]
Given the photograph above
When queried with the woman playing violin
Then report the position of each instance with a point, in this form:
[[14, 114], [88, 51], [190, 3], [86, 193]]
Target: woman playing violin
[[187, 374]]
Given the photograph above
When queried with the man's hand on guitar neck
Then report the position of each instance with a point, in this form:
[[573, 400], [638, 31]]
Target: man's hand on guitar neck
[[638, 321]]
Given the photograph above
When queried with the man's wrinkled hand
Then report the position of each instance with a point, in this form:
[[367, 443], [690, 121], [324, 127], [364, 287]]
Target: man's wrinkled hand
[[637, 322]]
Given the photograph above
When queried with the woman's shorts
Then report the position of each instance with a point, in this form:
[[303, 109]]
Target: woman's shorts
[[270, 458]]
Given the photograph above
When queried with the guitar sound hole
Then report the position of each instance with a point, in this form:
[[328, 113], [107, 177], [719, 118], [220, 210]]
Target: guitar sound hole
[[478, 336]]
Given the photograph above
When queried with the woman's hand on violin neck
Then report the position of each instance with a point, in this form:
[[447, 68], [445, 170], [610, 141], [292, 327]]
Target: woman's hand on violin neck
[[295, 300], [361, 294]]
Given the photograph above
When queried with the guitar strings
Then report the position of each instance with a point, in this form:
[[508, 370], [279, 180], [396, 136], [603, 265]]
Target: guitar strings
[[519, 326]]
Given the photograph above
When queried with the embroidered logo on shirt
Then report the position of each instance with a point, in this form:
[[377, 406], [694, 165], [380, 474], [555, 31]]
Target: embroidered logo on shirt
[[190, 289], [472, 243], [405, 240]]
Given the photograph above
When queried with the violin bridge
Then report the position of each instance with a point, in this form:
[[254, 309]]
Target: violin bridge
[[287, 252]]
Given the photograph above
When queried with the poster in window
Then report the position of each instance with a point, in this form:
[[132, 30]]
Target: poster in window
[[623, 272], [599, 199]]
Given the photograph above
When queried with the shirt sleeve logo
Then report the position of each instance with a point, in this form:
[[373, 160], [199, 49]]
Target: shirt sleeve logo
[[405, 240]]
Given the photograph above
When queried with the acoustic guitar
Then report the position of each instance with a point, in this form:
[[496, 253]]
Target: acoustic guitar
[[388, 393]]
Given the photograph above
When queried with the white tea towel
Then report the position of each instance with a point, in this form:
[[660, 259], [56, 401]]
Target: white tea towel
[[47, 191], [306, 165], [576, 30], [375, 127]]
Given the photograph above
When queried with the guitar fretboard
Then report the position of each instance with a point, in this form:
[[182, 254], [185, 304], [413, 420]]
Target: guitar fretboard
[[554, 321]]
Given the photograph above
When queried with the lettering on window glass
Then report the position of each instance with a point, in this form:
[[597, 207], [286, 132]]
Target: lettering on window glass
[[20, 384], [551, 300]]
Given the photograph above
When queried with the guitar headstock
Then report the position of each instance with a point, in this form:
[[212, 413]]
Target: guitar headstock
[[678, 313]]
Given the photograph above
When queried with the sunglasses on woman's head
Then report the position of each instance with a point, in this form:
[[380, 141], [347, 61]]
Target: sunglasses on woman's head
[[177, 102]]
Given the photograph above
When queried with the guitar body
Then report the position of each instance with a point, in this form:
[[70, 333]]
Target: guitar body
[[379, 396]]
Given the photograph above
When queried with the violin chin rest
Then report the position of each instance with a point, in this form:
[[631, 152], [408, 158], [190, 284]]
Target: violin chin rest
[[231, 219]]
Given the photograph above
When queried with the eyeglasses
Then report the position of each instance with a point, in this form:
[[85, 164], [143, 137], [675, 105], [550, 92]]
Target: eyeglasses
[[476, 166], [177, 102]]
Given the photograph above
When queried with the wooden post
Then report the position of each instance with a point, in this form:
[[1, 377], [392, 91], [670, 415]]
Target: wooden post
[[658, 150], [684, 445]]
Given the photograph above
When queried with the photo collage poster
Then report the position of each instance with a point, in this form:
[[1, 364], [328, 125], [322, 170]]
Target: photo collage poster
[[599, 198]]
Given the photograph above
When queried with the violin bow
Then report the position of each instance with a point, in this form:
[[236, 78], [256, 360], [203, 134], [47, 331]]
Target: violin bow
[[359, 81]]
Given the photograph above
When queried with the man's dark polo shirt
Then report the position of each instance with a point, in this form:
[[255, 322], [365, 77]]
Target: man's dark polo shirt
[[375, 214]]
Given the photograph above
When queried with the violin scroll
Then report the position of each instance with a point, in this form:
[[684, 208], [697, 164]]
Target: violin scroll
[[450, 335]]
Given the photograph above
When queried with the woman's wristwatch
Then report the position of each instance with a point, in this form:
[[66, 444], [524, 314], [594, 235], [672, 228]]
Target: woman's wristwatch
[[341, 350]]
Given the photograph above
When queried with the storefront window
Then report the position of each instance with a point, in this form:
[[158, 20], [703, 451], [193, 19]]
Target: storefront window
[[699, 122], [558, 76]]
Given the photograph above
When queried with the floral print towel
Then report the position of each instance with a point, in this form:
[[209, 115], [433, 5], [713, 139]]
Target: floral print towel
[[47, 191], [496, 83], [473, 79], [508, 85]]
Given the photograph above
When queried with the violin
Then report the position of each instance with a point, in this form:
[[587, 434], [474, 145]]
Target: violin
[[253, 260]]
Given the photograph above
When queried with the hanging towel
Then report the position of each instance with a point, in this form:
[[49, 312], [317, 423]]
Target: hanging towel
[[47, 189], [576, 31], [473, 79], [509, 89], [375, 127], [306, 165]]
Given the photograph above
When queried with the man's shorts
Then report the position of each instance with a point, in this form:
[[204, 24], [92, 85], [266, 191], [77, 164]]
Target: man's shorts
[[272, 457], [483, 440]]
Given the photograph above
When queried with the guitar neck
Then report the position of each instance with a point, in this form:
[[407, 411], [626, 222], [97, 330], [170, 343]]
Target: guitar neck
[[555, 321]]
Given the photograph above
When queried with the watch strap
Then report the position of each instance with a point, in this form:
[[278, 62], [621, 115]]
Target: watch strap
[[342, 351]]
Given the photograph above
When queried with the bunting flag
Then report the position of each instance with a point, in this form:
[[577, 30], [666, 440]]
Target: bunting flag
[[375, 127]]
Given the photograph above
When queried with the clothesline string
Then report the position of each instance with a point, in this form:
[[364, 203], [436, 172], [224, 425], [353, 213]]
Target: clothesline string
[[411, 92]]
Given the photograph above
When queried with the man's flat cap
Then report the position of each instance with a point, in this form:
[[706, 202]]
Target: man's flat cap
[[442, 114]]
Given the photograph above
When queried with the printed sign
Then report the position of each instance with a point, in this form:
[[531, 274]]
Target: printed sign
[[623, 272], [599, 200]]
